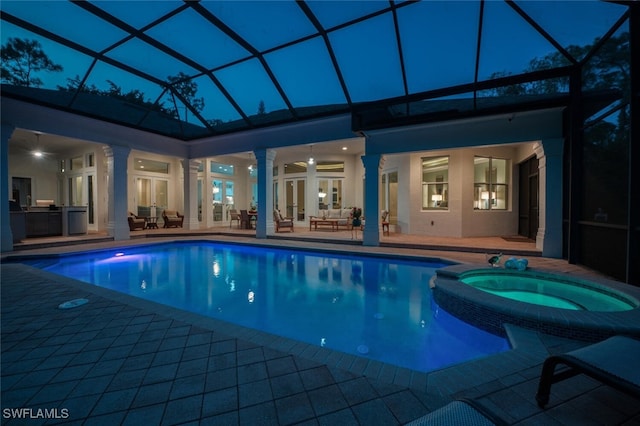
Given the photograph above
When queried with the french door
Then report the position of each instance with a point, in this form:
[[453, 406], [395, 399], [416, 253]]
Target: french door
[[389, 195], [295, 198], [152, 196], [223, 191]]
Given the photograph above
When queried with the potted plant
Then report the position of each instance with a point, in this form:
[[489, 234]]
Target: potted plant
[[356, 221]]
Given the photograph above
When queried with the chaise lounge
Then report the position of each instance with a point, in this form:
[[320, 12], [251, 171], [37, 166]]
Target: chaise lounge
[[613, 361], [172, 218]]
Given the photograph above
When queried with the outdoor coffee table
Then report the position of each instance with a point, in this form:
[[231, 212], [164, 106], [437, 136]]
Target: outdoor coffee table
[[152, 222], [315, 221]]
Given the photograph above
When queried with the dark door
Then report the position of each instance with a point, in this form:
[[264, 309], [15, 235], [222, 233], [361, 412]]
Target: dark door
[[529, 199]]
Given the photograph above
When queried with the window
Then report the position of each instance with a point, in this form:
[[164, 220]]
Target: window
[[330, 167], [297, 167], [435, 183], [491, 183], [222, 169], [329, 194], [150, 165], [75, 163]]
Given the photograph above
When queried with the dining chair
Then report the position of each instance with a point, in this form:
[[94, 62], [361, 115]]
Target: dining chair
[[234, 215]]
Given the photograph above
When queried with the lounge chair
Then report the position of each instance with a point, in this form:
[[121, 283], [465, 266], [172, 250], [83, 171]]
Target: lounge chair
[[459, 412], [613, 361], [136, 222], [172, 218], [282, 222]]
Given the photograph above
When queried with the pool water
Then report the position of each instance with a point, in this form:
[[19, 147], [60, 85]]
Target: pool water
[[372, 307], [535, 298], [548, 292]]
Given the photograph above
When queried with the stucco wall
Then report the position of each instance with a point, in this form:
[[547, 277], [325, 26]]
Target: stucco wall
[[45, 184], [460, 220]]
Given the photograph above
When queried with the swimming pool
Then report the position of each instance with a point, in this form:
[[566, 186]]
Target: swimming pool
[[372, 307]]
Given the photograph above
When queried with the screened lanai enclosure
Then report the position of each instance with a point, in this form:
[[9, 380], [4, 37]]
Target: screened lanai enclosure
[[193, 71]]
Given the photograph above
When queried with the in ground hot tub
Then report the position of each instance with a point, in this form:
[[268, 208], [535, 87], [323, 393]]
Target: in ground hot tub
[[549, 290], [559, 304]]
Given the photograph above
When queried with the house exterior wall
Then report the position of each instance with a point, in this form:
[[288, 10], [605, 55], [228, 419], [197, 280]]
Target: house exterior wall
[[460, 219]]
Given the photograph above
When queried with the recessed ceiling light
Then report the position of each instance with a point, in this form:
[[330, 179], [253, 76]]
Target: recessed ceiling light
[[344, 148], [37, 154]]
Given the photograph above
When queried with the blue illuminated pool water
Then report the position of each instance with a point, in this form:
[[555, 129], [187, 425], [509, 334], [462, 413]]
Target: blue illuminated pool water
[[367, 306], [547, 291]]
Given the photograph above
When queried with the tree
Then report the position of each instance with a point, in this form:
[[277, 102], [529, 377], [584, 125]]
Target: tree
[[21, 59], [133, 96], [261, 108], [187, 88], [608, 68]]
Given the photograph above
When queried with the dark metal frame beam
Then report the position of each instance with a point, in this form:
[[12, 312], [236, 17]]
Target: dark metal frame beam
[[470, 87], [633, 225], [542, 32], [576, 154]]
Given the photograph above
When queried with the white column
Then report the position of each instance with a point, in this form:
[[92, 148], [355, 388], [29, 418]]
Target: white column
[[311, 199], [118, 185], [372, 166], [264, 159], [190, 170], [207, 201], [5, 216], [549, 237]]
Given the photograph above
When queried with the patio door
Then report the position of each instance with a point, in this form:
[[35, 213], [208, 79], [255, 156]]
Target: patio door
[[91, 202], [152, 196], [294, 198], [389, 195], [223, 191]]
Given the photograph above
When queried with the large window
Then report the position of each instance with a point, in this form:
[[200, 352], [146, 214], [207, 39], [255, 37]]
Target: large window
[[297, 167], [329, 194], [491, 183], [221, 169], [435, 183], [145, 165], [330, 166]]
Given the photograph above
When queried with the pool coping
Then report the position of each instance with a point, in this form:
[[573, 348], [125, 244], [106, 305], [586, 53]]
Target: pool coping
[[491, 312], [344, 251]]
